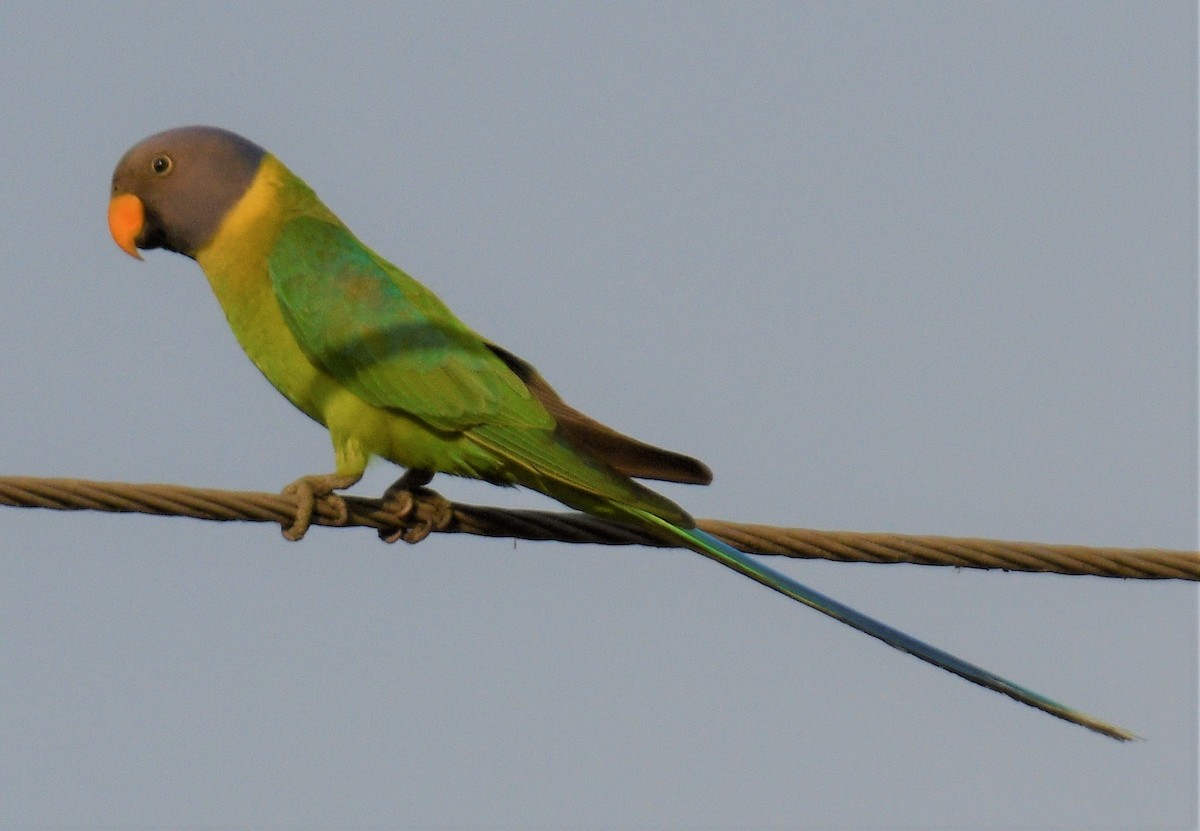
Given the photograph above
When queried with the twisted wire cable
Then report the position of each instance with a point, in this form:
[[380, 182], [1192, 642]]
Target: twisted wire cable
[[844, 546]]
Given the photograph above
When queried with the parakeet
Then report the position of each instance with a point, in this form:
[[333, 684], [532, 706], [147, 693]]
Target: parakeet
[[365, 350]]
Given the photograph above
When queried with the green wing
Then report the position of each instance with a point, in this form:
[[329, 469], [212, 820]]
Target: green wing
[[389, 339], [395, 345]]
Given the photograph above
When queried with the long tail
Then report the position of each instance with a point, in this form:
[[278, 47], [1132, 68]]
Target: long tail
[[711, 547]]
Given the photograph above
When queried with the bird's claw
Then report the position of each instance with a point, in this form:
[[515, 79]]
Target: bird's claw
[[420, 511], [307, 491]]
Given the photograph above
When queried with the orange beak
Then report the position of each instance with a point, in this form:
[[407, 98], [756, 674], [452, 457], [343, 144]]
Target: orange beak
[[125, 218]]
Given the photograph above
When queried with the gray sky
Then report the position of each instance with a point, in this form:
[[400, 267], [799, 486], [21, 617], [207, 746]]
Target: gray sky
[[911, 268]]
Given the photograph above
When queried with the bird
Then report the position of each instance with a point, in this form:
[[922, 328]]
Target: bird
[[365, 350]]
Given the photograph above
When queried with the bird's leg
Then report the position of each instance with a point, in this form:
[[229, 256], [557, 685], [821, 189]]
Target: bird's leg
[[307, 490], [420, 509]]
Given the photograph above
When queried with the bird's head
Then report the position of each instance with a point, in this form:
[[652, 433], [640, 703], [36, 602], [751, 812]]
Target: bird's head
[[172, 189]]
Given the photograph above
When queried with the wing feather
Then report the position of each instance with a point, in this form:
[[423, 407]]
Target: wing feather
[[386, 337]]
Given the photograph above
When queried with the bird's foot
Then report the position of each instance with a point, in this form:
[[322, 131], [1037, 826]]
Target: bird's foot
[[420, 510], [307, 490]]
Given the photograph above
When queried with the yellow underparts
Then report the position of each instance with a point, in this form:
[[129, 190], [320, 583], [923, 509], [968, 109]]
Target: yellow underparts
[[235, 262]]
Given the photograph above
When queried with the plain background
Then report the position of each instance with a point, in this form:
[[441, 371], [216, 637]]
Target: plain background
[[908, 267]]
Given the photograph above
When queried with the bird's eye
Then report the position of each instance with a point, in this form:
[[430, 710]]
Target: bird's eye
[[161, 165]]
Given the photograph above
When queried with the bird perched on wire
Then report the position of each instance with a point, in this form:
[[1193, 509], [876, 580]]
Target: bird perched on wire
[[373, 355]]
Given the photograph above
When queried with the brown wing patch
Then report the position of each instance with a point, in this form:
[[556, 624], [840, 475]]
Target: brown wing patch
[[624, 453]]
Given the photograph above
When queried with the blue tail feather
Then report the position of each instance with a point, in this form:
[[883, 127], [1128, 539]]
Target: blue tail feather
[[711, 547]]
